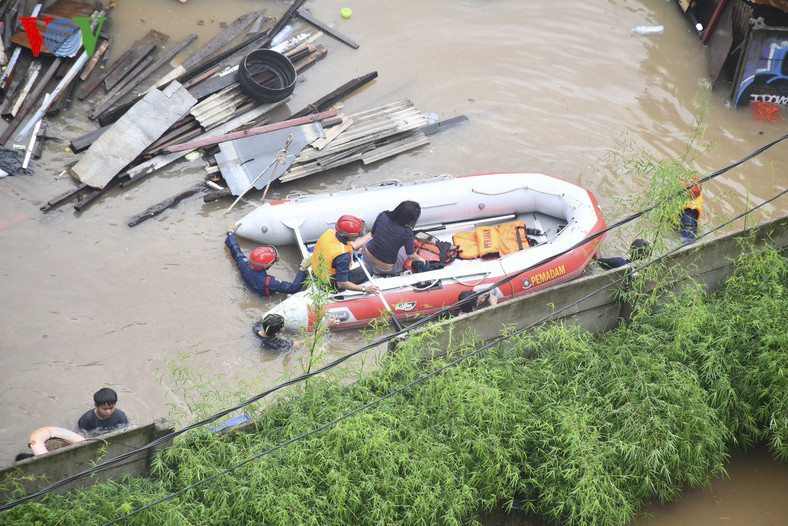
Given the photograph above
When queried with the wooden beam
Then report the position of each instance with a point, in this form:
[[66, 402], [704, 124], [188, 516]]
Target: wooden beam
[[306, 15], [104, 104], [70, 194], [230, 33], [164, 205], [95, 58], [15, 102], [95, 194], [31, 99], [265, 36], [209, 141], [8, 73], [339, 93], [96, 83], [140, 49], [136, 78], [83, 142]]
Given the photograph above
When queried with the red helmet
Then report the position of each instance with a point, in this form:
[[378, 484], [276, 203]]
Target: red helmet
[[694, 189], [350, 226], [263, 257]]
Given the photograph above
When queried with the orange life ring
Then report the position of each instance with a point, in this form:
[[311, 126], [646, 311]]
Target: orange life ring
[[40, 436]]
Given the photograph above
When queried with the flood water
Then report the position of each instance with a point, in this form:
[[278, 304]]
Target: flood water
[[553, 87]]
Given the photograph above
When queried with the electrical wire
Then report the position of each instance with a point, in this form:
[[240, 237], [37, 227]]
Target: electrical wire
[[420, 322], [435, 372]]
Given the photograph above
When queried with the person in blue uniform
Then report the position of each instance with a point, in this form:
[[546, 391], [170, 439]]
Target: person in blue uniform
[[254, 269], [639, 249]]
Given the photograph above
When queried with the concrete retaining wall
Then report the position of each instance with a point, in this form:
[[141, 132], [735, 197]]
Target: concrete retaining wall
[[709, 262], [35, 473]]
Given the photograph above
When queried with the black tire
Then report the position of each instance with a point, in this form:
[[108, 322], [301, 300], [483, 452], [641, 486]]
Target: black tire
[[279, 75]]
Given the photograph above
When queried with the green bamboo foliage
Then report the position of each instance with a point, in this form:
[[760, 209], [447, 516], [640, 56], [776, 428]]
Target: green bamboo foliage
[[573, 428]]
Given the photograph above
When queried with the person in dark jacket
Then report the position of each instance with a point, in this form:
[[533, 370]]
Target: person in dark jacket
[[390, 243], [104, 417], [268, 330], [639, 249], [254, 269]]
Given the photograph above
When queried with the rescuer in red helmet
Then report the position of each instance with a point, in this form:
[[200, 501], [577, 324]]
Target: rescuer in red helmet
[[254, 269], [333, 254]]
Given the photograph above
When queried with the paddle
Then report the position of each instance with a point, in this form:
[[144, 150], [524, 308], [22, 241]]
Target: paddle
[[294, 223], [396, 321]]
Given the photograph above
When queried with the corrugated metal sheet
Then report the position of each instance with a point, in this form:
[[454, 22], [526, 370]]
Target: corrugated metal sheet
[[367, 153], [219, 107], [243, 160], [369, 126]]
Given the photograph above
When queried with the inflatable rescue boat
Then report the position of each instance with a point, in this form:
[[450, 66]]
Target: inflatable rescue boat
[[552, 214]]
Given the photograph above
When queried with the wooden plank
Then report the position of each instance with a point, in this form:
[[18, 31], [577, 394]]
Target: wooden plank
[[95, 58], [22, 89], [198, 79], [306, 15], [336, 95], [63, 101], [76, 67], [135, 131], [220, 40], [70, 194], [104, 104], [93, 195], [39, 147], [30, 100], [179, 134], [136, 77], [8, 73], [83, 142], [164, 205], [140, 49], [266, 38], [96, 83]]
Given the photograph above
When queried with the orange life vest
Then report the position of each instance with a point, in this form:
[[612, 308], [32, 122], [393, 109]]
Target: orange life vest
[[327, 248], [504, 239], [695, 204]]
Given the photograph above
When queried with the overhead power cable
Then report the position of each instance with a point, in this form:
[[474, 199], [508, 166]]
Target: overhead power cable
[[492, 343], [420, 322]]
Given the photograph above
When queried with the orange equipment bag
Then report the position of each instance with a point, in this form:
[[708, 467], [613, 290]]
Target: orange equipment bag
[[430, 248], [514, 238], [504, 239], [466, 241]]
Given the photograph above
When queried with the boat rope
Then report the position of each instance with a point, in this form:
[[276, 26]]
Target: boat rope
[[275, 163], [342, 359], [490, 344]]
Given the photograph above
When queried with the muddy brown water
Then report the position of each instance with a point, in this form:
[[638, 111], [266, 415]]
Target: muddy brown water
[[86, 301]]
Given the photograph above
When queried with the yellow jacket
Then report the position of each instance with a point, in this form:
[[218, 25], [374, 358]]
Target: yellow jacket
[[327, 248], [695, 204]]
